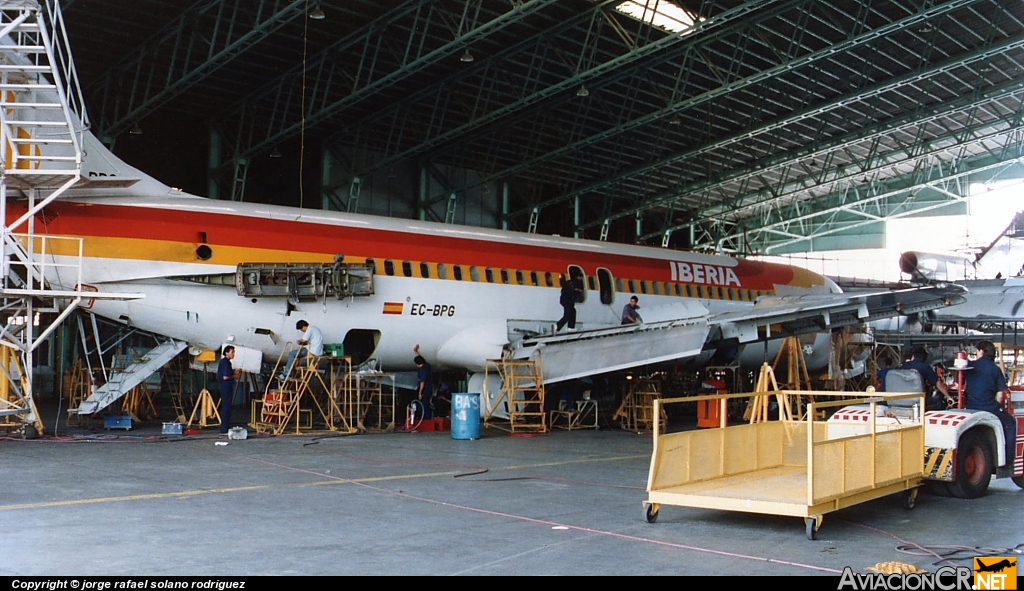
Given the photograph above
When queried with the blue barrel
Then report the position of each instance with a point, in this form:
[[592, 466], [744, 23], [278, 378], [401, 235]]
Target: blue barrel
[[465, 415]]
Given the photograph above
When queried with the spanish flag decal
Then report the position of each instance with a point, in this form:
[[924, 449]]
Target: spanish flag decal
[[393, 308]]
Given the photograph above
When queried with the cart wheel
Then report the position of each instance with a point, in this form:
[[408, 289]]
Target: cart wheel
[[1018, 480], [651, 512], [811, 525], [910, 499]]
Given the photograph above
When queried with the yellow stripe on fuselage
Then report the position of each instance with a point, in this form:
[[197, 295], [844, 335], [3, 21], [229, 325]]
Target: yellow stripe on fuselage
[[183, 252]]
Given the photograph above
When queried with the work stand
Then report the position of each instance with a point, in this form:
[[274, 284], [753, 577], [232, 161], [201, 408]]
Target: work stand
[[522, 395]]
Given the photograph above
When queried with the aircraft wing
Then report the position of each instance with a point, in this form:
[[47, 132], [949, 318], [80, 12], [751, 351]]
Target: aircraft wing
[[577, 354], [781, 316], [993, 300]]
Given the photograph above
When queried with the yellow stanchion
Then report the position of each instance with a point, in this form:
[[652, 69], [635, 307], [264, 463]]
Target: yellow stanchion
[[209, 416]]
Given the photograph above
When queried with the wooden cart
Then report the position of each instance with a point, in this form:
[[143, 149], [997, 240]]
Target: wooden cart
[[801, 467]]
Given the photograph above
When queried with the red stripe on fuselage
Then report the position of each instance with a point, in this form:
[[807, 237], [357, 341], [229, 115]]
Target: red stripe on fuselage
[[230, 229]]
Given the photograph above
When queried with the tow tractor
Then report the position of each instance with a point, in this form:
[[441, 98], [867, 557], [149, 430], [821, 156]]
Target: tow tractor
[[963, 447]]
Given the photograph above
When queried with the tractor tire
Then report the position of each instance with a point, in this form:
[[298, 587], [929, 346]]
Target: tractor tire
[[973, 466]]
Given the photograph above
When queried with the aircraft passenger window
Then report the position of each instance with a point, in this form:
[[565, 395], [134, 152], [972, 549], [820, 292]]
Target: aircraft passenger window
[[490, 275], [425, 270], [576, 273], [474, 274], [505, 276], [604, 282], [535, 278], [407, 268], [373, 265], [549, 280], [389, 267], [655, 288], [520, 278], [721, 293], [592, 282], [619, 285], [679, 290], [457, 272], [442, 271]]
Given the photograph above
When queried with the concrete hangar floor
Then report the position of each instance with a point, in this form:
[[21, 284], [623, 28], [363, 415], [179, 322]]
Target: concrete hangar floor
[[566, 503]]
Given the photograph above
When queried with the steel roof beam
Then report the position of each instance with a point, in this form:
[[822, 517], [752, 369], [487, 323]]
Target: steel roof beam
[[204, 38], [832, 172], [493, 102], [426, 33], [895, 197], [774, 125], [847, 172]]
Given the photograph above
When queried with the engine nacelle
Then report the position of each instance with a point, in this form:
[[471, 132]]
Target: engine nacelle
[[926, 266]]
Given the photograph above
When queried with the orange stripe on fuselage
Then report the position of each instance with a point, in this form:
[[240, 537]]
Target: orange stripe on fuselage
[[160, 233]]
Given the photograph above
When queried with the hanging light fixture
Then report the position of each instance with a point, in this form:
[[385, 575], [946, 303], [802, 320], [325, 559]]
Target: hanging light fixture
[[466, 57], [583, 91], [275, 153], [317, 13], [135, 130]]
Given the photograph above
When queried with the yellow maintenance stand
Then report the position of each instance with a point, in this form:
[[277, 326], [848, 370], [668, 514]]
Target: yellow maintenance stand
[[13, 403]]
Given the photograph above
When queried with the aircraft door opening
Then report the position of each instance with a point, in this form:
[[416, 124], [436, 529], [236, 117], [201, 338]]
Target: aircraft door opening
[[576, 274], [606, 286], [360, 343]]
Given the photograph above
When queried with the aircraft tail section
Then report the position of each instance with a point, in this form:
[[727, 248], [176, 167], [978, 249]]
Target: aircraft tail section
[[1004, 258]]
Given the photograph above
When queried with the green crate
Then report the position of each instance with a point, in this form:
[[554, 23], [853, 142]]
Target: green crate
[[334, 349]]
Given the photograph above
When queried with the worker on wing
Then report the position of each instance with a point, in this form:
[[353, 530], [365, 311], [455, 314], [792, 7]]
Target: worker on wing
[[629, 312]]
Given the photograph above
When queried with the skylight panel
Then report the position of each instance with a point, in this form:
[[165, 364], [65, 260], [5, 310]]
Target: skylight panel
[[659, 13]]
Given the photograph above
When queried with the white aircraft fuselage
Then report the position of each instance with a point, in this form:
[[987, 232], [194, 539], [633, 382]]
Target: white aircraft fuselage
[[450, 289]]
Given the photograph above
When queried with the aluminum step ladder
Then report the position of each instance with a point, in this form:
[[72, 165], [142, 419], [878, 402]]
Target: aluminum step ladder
[[121, 383]]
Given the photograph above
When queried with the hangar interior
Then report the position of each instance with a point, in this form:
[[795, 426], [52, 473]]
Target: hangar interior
[[741, 128], [719, 127], [761, 127]]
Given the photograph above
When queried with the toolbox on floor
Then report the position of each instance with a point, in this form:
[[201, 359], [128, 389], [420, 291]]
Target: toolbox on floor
[[117, 422], [172, 429]]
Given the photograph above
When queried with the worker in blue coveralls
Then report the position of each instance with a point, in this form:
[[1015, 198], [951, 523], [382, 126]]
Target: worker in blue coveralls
[[226, 376], [986, 386], [424, 386]]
